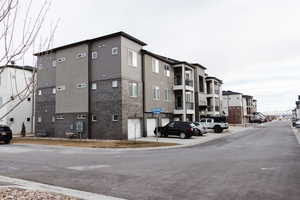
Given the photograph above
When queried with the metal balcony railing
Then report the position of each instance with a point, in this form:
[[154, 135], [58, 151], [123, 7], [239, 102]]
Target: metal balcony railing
[[177, 81], [189, 82]]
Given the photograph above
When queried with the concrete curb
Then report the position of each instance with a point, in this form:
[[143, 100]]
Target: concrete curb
[[30, 185], [222, 135]]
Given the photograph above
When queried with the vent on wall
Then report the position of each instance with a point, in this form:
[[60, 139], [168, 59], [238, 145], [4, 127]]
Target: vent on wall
[[60, 87], [62, 59], [82, 85], [80, 55]]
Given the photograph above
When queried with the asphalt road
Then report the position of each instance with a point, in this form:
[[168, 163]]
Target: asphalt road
[[261, 163]]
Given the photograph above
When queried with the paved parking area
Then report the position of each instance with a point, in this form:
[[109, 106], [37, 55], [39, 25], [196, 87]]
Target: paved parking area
[[196, 139]]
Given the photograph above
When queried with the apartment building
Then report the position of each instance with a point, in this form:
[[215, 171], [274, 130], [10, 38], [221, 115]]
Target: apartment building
[[107, 88], [233, 107], [16, 97], [214, 96], [296, 111], [248, 107]]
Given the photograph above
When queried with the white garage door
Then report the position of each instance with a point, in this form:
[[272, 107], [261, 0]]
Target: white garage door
[[164, 121], [151, 125], [134, 128]]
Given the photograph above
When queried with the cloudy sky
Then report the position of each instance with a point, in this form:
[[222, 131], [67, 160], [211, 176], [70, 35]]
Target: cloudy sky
[[252, 45]]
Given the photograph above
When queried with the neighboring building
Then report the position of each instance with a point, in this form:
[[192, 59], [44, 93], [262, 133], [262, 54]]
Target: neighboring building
[[297, 109], [107, 88], [214, 96], [16, 97], [233, 107], [248, 108]]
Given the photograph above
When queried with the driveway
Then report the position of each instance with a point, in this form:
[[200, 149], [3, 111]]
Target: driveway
[[259, 163]]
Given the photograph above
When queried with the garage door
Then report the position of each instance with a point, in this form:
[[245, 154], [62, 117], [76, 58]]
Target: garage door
[[151, 124], [134, 128], [164, 121]]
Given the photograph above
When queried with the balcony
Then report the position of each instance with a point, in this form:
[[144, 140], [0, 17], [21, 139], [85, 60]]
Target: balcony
[[178, 84], [189, 83], [189, 105]]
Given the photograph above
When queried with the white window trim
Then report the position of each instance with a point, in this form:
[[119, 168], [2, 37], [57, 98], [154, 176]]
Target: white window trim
[[167, 72], [134, 58], [114, 84], [94, 120], [156, 93], [155, 66], [133, 85], [115, 51], [114, 119], [167, 91], [94, 55], [94, 86], [40, 92]]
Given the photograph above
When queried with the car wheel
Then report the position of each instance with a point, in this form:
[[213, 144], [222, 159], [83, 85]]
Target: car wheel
[[217, 129], [182, 135], [7, 141]]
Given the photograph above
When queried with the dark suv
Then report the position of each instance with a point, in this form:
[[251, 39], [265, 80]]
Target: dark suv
[[182, 129], [5, 134]]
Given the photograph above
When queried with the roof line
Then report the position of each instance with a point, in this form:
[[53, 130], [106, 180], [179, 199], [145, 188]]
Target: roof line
[[25, 67], [121, 33]]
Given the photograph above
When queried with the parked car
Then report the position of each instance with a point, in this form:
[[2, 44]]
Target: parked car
[[181, 129], [218, 124], [5, 134], [297, 124], [201, 128]]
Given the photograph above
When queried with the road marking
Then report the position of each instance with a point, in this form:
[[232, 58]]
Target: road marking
[[49, 188], [268, 168], [87, 167]]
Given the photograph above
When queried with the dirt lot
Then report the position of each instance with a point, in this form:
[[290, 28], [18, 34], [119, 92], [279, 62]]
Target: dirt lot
[[89, 143]]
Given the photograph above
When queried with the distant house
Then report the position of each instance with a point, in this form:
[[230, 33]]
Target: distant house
[[15, 97]]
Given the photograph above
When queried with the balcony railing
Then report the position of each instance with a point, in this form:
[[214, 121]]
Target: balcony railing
[[209, 108], [189, 105], [177, 81]]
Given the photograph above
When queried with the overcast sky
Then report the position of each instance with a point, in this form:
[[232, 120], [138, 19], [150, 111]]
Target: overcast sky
[[252, 45]]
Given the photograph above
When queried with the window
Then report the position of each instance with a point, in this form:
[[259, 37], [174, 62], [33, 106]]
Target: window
[[94, 118], [53, 119], [62, 59], [114, 84], [28, 119], [81, 116], [60, 117], [39, 119], [189, 97], [133, 89], [201, 84], [155, 65], [132, 58], [39, 92], [54, 63], [115, 118], [94, 86], [156, 93], [167, 70], [61, 87], [82, 85], [114, 51], [53, 90], [167, 94], [81, 55], [94, 55]]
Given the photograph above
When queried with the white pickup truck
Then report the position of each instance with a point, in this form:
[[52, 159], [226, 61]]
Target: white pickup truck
[[217, 123]]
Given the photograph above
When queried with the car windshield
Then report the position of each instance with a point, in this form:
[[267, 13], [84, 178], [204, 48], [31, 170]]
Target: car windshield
[[196, 123]]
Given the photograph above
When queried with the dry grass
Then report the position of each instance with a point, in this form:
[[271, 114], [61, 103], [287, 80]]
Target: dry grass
[[90, 143]]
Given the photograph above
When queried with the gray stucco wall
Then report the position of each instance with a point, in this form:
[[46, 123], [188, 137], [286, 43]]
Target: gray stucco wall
[[46, 73], [106, 66], [163, 82], [69, 73], [106, 101], [45, 108]]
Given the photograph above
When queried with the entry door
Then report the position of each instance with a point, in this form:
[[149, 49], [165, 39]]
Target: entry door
[[151, 125], [134, 128]]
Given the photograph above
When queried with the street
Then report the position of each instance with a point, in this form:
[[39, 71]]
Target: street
[[259, 163]]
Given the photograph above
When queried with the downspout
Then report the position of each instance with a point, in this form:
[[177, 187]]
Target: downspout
[[143, 88], [89, 124]]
